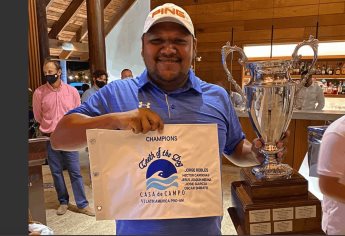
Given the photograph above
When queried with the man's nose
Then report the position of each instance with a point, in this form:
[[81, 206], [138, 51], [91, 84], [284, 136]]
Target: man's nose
[[168, 49]]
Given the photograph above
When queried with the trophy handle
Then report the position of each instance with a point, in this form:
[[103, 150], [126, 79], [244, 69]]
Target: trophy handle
[[313, 43], [226, 50]]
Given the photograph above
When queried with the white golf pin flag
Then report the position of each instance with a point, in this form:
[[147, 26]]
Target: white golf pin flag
[[173, 174]]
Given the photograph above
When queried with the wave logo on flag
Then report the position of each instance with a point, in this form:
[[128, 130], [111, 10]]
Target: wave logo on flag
[[161, 175]]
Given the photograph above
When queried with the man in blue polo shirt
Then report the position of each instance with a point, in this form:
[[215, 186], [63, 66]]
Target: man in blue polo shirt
[[166, 92]]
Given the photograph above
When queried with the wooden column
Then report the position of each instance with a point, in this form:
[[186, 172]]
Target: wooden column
[[34, 79], [95, 24], [42, 31]]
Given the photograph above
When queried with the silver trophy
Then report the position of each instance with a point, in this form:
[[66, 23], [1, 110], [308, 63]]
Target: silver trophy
[[269, 99]]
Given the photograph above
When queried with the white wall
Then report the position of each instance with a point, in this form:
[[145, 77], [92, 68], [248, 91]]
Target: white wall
[[123, 43]]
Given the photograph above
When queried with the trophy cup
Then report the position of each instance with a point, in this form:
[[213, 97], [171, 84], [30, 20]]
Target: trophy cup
[[272, 198]]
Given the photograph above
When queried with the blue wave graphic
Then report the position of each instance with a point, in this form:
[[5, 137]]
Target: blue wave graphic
[[161, 183], [160, 187], [164, 181]]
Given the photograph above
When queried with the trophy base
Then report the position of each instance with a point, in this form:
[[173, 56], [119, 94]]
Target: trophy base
[[275, 171], [282, 215], [295, 186]]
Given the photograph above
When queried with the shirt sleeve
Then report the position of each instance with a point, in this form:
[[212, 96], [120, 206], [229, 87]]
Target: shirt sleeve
[[234, 134], [95, 106], [76, 97], [331, 161], [36, 105]]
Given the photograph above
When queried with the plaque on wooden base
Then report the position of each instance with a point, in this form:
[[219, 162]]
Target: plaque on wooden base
[[281, 206]]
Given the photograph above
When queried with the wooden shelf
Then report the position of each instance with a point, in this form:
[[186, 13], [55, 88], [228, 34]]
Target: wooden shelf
[[321, 76], [331, 58], [334, 95], [321, 59]]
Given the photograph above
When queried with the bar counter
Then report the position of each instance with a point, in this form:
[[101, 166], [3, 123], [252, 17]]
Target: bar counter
[[297, 145], [308, 115]]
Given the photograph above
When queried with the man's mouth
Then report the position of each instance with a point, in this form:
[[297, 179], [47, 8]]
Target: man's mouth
[[171, 60]]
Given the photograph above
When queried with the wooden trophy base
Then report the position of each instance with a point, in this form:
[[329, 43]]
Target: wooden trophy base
[[282, 206]]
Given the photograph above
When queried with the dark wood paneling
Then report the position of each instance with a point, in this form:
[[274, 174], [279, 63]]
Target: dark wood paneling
[[34, 79], [95, 21]]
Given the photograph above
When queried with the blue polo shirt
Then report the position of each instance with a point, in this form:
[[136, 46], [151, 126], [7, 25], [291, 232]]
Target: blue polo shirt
[[197, 102]]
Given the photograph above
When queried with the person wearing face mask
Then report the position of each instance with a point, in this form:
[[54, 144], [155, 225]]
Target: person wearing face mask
[[100, 78], [51, 101]]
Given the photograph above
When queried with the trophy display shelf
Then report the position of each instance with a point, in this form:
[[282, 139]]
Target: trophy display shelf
[[278, 206]]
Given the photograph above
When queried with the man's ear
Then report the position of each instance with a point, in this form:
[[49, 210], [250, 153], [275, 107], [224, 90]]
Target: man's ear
[[59, 72], [194, 47], [142, 46]]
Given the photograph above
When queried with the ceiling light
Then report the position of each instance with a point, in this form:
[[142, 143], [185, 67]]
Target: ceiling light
[[67, 46], [281, 50]]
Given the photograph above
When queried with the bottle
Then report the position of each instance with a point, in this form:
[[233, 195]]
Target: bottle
[[323, 69], [338, 69], [340, 87], [335, 89], [318, 70], [329, 88], [324, 86], [343, 69], [329, 70]]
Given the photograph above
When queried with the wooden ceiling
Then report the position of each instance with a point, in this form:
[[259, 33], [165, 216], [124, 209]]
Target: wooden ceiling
[[67, 22]]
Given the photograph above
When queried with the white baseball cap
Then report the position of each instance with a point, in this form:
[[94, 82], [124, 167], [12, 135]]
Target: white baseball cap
[[169, 12]]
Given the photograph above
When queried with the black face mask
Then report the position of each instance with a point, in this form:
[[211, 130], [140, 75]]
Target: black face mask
[[51, 78], [100, 84]]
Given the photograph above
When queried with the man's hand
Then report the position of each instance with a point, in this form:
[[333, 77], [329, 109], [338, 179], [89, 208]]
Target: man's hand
[[70, 132], [281, 144], [141, 120]]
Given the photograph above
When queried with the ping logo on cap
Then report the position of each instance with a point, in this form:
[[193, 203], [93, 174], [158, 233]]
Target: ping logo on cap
[[166, 10]]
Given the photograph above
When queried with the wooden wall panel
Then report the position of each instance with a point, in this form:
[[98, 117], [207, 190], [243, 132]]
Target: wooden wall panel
[[34, 79], [209, 8]]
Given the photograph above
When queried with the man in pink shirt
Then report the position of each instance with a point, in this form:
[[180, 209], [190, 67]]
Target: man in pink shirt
[[51, 101]]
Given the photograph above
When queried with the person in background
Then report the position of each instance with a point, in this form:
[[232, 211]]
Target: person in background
[[176, 96], [50, 103], [126, 74], [85, 87], [99, 78], [311, 96], [331, 170]]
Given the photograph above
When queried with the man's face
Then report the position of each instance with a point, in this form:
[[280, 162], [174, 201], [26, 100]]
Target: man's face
[[50, 69], [101, 81], [126, 74], [168, 50], [103, 78]]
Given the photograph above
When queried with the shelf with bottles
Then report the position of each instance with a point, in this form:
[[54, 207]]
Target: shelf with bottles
[[330, 68], [332, 87]]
